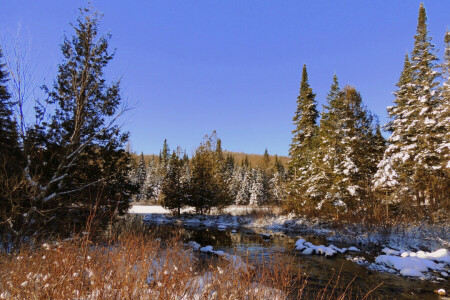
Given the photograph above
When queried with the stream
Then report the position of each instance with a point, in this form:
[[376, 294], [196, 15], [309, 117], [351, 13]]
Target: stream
[[248, 242]]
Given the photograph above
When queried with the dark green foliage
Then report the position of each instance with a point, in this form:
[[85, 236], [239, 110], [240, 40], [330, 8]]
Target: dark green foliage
[[266, 159], [305, 119], [164, 156], [141, 170], [78, 156], [414, 167], [175, 192], [208, 180], [10, 158]]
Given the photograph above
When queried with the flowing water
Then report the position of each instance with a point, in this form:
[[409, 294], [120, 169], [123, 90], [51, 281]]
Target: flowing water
[[318, 269]]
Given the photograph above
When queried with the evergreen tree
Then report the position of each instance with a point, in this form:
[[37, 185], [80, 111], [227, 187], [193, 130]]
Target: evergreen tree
[[208, 183], [277, 189], [165, 153], [402, 135], [443, 126], [243, 194], [229, 167], [258, 191], [174, 189], [305, 127], [425, 84], [141, 170], [341, 167], [235, 182], [10, 157], [304, 143], [266, 160], [246, 162], [319, 174], [411, 163], [81, 161], [278, 165]]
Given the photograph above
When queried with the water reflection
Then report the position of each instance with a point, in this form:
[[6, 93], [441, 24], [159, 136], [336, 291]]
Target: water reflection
[[249, 243]]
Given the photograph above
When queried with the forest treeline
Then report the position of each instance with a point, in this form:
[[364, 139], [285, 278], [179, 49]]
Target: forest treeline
[[340, 164], [343, 165], [70, 162], [211, 178]]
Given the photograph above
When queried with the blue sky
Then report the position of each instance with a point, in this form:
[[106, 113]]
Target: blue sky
[[189, 67]]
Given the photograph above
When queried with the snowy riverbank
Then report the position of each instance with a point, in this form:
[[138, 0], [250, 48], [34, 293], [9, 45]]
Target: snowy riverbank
[[406, 244]]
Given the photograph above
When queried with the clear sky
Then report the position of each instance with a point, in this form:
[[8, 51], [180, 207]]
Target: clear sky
[[189, 67]]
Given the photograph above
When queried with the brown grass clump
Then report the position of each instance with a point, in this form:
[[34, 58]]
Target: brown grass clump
[[137, 266]]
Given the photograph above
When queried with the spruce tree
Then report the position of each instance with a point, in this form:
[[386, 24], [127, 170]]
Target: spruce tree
[[425, 84], [165, 153], [258, 191], [303, 143], [141, 174], [396, 155], [244, 192], [305, 126], [141, 170], [315, 188], [266, 159], [443, 125], [411, 161]]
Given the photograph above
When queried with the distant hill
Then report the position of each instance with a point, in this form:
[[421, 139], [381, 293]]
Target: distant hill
[[254, 159]]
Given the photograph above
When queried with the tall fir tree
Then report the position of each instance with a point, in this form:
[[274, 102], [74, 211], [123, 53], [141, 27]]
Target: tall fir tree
[[319, 174], [425, 83], [141, 174], [304, 120], [266, 160], [141, 169], [411, 164], [303, 141], [165, 154], [402, 136], [443, 125]]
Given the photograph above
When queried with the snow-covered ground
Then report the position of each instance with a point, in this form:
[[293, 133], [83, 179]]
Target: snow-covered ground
[[235, 210]]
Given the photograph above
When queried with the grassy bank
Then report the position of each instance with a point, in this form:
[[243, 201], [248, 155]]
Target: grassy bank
[[139, 266]]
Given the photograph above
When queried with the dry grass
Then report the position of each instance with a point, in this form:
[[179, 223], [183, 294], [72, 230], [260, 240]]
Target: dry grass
[[137, 266]]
